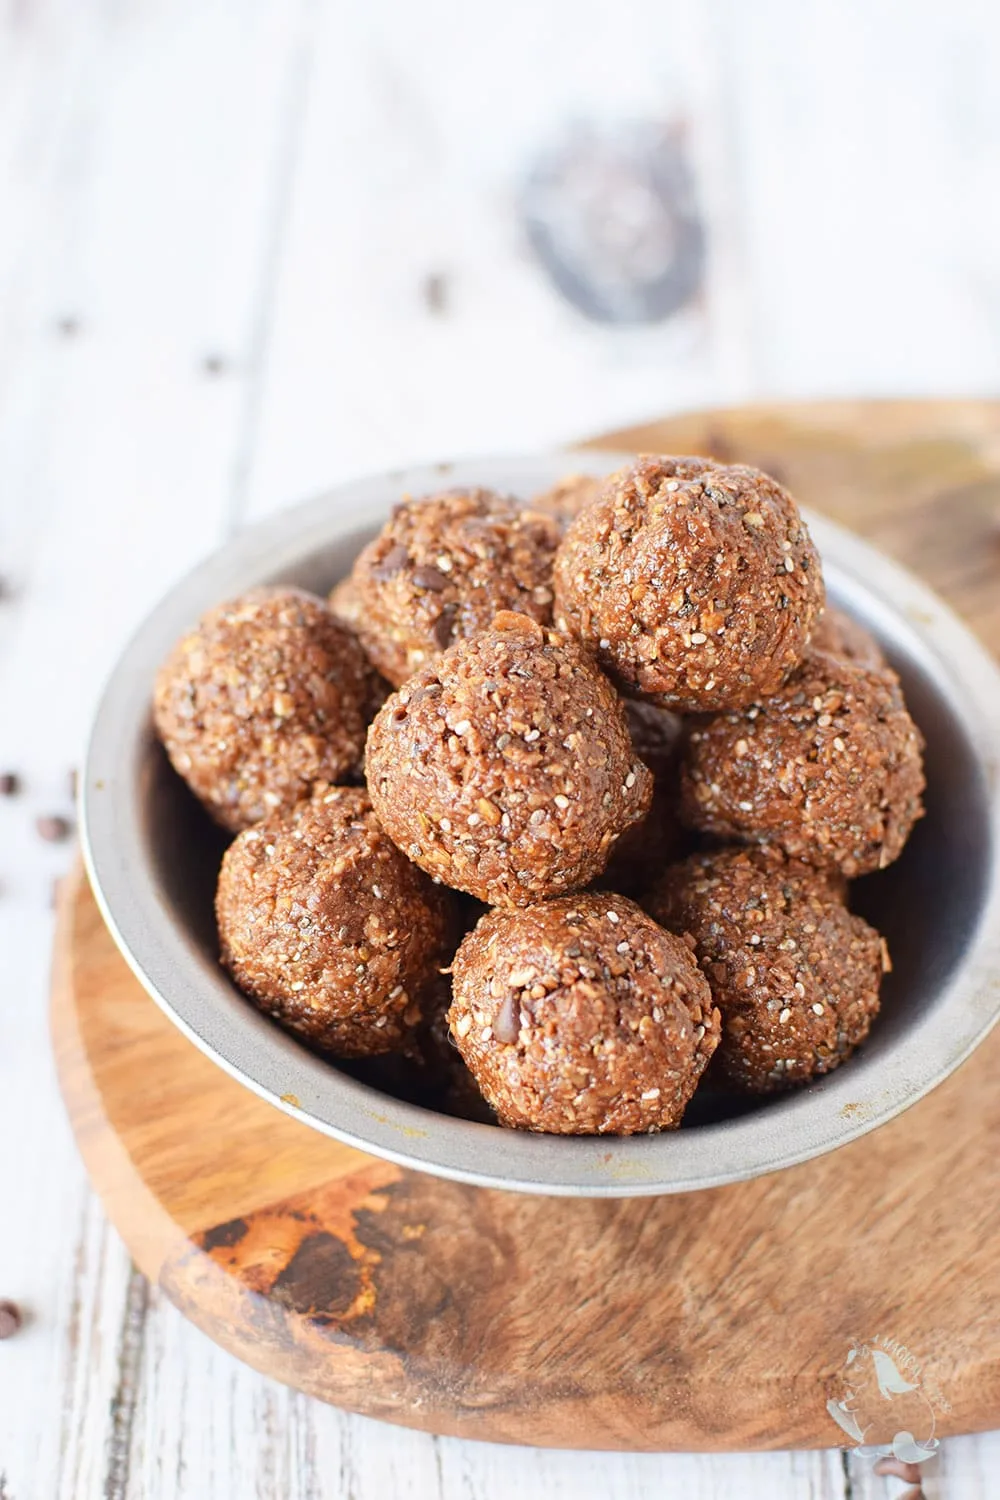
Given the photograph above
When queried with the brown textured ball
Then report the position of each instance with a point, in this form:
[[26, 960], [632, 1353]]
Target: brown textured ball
[[795, 975], [839, 634], [506, 769], [441, 568], [829, 769], [566, 499], [268, 695], [645, 849], [330, 930], [582, 1017], [696, 583]]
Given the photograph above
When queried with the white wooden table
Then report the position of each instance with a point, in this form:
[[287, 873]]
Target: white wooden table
[[249, 247]]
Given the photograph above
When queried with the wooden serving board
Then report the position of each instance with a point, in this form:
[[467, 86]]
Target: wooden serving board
[[717, 1320]]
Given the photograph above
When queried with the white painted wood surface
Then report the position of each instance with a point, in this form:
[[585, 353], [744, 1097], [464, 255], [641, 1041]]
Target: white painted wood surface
[[217, 220]]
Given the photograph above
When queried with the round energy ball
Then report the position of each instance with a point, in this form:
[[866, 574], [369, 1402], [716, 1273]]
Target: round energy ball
[[695, 583], [795, 975], [441, 568], [582, 1017], [829, 768], [330, 930], [506, 768], [838, 634], [267, 696]]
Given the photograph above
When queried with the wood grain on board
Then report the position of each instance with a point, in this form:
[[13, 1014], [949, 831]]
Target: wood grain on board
[[719, 1320]]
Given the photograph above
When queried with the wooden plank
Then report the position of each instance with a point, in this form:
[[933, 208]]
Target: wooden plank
[[137, 171]]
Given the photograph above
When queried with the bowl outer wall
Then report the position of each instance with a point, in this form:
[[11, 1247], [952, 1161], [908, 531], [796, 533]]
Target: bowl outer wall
[[191, 988]]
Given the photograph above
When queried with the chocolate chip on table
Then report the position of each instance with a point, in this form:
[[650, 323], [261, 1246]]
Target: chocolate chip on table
[[430, 578], [10, 784], [72, 780], [10, 1319], [53, 828], [435, 290]]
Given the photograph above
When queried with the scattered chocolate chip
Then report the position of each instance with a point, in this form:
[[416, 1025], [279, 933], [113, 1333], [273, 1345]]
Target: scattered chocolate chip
[[214, 364], [10, 1319], [53, 828], [71, 782], [10, 784], [68, 328], [394, 560], [435, 289], [444, 626], [430, 578]]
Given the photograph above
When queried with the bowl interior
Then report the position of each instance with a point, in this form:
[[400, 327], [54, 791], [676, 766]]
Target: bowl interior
[[932, 905]]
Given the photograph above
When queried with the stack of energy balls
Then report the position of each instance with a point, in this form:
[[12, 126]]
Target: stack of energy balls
[[575, 789]]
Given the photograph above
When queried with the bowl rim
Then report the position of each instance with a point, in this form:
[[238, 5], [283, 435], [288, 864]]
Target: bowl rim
[[201, 1001]]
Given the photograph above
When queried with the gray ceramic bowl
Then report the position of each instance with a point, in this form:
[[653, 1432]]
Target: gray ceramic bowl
[[152, 864]]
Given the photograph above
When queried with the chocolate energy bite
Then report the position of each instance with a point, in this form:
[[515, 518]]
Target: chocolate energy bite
[[829, 769], [795, 975], [268, 695], [582, 1017], [330, 930], [838, 634], [441, 568], [506, 769], [696, 583]]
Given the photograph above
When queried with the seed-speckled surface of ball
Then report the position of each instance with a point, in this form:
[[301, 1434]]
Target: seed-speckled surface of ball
[[830, 769], [839, 634], [794, 973], [506, 769], [695, 583], [441, 568], [582, 1017], [330, 929], [269, 695]]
